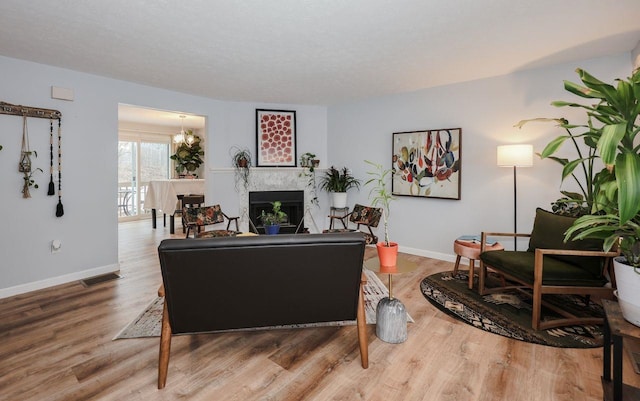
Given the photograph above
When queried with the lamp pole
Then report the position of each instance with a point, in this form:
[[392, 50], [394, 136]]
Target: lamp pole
[[515, 156]]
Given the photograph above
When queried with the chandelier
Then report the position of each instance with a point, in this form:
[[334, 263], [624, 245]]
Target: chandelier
[[183, 137]]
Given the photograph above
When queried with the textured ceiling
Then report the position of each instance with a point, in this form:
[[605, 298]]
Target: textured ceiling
[[312, 51]]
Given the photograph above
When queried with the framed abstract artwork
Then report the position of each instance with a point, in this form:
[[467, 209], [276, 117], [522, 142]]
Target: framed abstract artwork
[[276, 138], [427, 163]]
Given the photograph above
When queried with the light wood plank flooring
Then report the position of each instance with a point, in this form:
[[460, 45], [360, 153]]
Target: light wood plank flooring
[[56, 344]]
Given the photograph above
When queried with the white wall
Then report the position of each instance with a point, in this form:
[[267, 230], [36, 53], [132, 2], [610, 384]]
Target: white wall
[[88, 230], [344, 134], [486, 110]]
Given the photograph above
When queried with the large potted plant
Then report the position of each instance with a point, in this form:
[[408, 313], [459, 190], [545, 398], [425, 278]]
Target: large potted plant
[[337, 183], [611, 128], [381, 197], [271, 220], [188, 157]]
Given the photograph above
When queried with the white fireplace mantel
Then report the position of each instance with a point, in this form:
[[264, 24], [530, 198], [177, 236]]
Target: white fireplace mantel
[[275, 179]]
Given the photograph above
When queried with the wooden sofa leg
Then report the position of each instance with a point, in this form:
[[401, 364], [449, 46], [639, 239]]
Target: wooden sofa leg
[[362, 327], [165, 348]]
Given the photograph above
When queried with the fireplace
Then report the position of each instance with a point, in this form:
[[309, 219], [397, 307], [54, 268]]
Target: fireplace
[[292, 205]]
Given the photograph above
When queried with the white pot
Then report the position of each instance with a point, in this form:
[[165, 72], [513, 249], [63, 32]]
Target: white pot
[[339, 199], [628, 290]]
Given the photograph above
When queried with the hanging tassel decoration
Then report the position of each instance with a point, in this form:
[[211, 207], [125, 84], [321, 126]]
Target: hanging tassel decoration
[[52, 187], [59, 208]]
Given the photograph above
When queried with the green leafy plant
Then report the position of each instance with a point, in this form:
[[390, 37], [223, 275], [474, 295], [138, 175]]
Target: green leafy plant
[[379, 194], [335, 180], [581, 169], [276, 216], [29, 182], [308, 160], [188, 157], [612, 126], [241, 160]]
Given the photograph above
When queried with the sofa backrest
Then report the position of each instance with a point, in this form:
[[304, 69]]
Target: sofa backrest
[[239, 282]]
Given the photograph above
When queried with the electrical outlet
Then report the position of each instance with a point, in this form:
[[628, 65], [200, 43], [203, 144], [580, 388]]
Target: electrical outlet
[[56, 245]]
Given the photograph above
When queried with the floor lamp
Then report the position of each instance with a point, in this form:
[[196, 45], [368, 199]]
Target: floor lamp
[[515, 156]]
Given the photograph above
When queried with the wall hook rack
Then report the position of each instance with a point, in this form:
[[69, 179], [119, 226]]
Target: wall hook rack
[[18, 110]]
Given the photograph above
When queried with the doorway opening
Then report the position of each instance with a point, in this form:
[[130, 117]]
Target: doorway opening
[[145, 146]]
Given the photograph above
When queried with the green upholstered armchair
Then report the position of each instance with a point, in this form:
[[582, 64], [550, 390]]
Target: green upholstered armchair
[[550, 266]]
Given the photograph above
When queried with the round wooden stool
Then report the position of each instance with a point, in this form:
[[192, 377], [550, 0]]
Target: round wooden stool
[[471, 251]]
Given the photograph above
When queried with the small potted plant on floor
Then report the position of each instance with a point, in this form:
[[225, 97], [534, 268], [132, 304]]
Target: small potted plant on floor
[[272, 220], [337, 183], [381, 197]]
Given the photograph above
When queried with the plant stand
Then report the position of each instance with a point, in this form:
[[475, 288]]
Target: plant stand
[[391, 315]]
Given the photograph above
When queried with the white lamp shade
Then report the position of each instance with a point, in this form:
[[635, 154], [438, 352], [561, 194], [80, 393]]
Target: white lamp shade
[[515, 155]]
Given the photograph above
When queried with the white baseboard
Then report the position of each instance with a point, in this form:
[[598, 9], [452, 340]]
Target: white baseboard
[[53, 281], [428, 254]]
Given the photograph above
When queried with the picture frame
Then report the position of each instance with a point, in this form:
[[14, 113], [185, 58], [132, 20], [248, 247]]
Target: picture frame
[[276, 138], [427, 163]]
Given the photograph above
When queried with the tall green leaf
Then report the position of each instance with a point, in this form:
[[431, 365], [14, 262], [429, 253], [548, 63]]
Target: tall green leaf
[[628, 180], [608, 143], [553, 146]]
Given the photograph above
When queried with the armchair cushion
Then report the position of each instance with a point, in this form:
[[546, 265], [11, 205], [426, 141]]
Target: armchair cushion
[[203, 216], [548, 233], [520, 265], [366, 215]]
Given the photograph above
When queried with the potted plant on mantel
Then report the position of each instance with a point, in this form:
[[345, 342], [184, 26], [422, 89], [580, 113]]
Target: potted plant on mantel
[[271, 220], [611, 128], [381, 196], [337, 183], [188, 157], [241, 160], [308, 160]]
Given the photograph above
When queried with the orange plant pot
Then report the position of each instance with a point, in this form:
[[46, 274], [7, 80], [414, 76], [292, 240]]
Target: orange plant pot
[[388, 255]]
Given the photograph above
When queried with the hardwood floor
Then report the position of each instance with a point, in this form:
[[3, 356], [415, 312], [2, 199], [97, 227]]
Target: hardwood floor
[[56, 344]]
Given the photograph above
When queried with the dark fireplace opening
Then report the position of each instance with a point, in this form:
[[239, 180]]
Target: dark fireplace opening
[[292, 205]]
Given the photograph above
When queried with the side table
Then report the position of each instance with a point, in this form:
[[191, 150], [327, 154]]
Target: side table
[[338, 213], [615, 329], [391, 315], [471, 251]]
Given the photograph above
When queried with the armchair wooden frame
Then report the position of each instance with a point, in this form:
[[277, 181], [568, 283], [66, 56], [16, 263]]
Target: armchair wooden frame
[[538, 289], [166, 333]]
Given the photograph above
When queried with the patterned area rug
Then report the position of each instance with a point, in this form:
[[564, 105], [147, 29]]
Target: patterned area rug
[[509, 314], [149, 322]]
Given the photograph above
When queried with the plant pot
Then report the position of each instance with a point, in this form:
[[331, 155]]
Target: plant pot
[[388, 255], [272, 229], [628, 282], [339, 199]]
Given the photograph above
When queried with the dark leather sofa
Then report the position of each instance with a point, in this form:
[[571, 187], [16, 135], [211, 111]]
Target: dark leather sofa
[[227, 283]]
